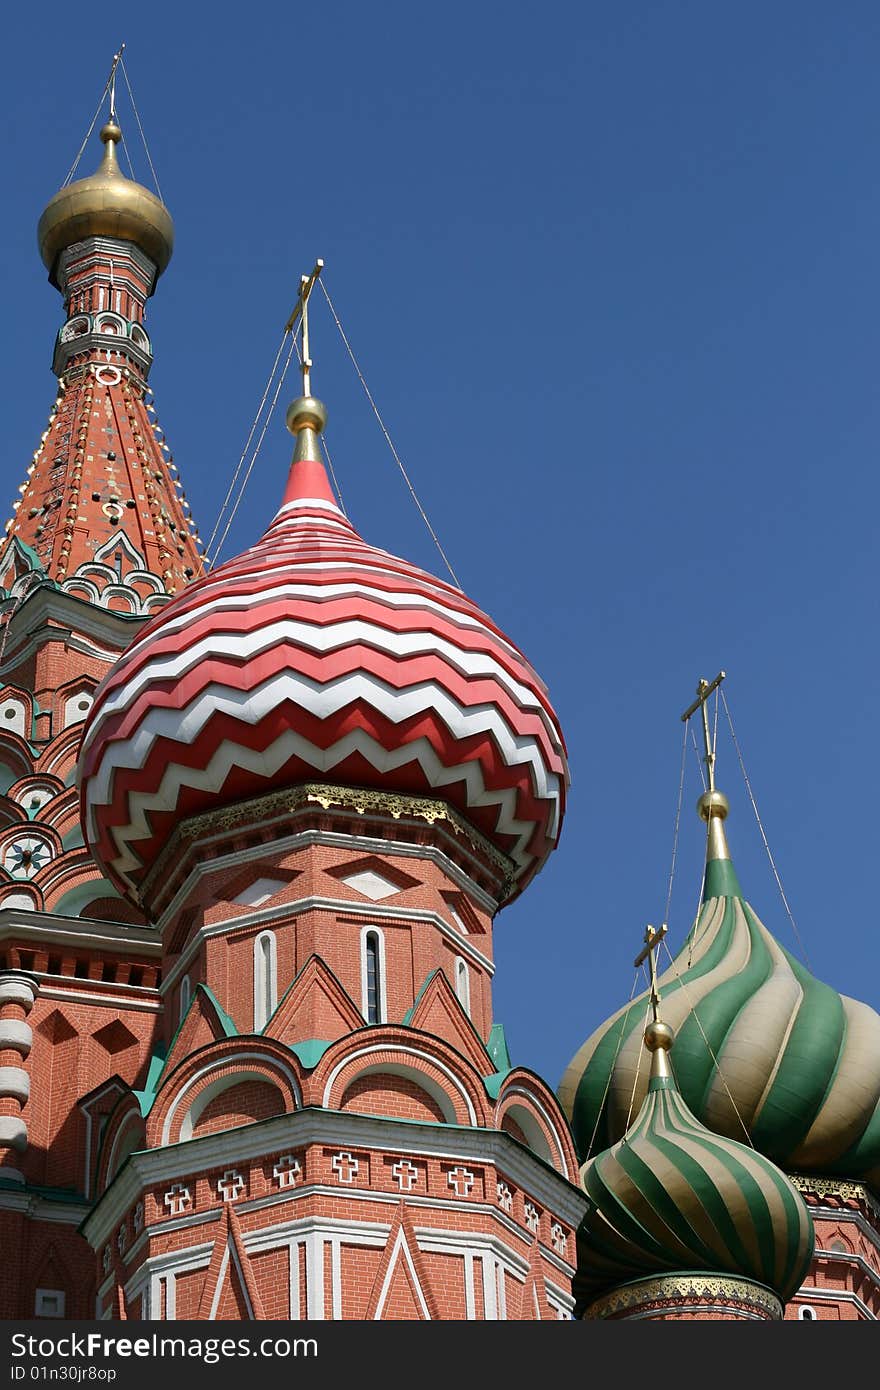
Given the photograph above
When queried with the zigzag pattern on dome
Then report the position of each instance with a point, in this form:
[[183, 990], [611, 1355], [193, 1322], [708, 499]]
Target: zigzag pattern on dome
[[314, 652]]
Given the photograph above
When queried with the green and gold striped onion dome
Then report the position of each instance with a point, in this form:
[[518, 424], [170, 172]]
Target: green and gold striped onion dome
[[798, 1062], [671, 1197]]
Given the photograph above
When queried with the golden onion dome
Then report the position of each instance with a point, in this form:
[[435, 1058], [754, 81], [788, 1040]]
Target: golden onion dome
[[106, 204]]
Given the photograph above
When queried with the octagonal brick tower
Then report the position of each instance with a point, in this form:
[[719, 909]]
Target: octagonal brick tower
[[98, 539], [320, 771]]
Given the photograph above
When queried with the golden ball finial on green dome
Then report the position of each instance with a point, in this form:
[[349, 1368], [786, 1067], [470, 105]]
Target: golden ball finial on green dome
[[106, 204]]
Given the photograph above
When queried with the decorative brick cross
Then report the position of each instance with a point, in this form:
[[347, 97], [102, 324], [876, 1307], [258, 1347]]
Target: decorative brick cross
[[461, 1180], [533, 1216], [138, 1219], [177, 1199], [121, 1239], [505, 1196], [406, 1174], [231, 1185], [558, 1238], [107, 1259], [345, 1166], [286, 1169]]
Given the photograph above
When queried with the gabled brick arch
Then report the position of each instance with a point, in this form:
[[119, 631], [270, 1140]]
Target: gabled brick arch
[[59, 756], [212, 1070], [408, 1054], [125, 1133], [15, 759], [528, 1110]]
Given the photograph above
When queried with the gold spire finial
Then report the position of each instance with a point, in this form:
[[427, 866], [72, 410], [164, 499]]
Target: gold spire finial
[[306, 416], [658, 1035]]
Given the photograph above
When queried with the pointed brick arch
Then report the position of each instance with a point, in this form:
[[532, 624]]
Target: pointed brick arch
[[230, 1289], [401, 1290], [527, 1109]]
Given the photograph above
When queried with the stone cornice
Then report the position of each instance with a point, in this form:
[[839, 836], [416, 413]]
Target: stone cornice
[[53, 928], [363, 802], [313, 1125], [61, 1211], [48, 605], [301, 839]]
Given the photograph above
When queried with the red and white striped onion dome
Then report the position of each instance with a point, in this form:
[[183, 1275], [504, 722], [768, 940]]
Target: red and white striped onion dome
[[315, 656]]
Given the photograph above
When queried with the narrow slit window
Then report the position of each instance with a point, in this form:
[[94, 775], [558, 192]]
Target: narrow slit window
[[265, 979], [373, 981], [185, 989], [463, 985]]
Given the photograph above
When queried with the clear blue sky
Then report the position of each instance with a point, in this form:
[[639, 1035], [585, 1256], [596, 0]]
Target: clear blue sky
[[611, 272]]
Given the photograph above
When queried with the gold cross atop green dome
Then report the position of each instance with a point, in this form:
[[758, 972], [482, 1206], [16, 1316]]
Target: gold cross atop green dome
[[798, 1062], [670, 1197]]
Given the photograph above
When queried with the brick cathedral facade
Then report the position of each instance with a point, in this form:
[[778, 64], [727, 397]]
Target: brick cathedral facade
[[248, 1061]]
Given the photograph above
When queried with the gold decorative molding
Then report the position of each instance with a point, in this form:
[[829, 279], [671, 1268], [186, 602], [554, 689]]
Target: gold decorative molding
[[690, 1288], [846, 1188], [365, 801]]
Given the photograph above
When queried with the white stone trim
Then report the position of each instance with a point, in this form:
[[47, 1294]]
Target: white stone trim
[[40, 1298], [817, 1295], [300, 1128], [336, 1278], [81, 996], [84, 932], [845, 1215], [41, 1209], [315, 1276], [13, 1132], [15, 1083], [17, 990], [15, 1033], [399, 1250]]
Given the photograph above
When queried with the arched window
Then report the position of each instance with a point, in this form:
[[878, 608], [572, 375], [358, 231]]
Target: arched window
[[373, 975], [806, 1313], [463, 984], [265, 979], [185, 994]]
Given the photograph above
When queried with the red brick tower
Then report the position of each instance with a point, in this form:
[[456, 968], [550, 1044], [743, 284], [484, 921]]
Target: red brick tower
[[320, 772], [99, 539], [249, 1066]]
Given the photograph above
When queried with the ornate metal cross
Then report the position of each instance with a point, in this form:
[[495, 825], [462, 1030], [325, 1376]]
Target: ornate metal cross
[[704, 690], [653, 937], [301, 311]]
